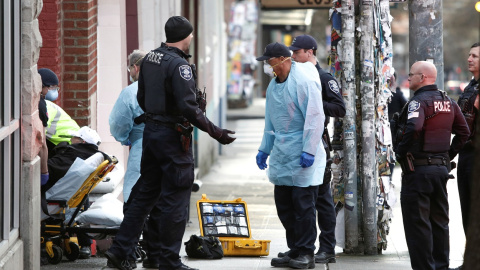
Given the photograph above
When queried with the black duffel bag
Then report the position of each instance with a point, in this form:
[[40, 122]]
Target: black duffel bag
[[204, 247]]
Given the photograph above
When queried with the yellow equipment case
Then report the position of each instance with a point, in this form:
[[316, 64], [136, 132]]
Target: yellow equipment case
[[228, 220]]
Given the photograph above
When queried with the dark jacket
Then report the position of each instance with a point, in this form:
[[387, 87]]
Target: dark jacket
[[466, 102], [431, 119], [167, 90], [64, 157], [42, 111], [333, 104], [397, 103]]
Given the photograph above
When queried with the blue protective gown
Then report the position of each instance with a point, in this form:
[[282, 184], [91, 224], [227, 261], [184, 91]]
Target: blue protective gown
[[294, 120], [124, 130]]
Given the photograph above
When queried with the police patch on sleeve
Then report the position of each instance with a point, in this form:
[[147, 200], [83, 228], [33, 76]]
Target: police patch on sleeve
[[413, 106], [185, 72], [334, 86]]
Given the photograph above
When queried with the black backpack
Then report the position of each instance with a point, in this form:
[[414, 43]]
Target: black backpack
[[204, 247]]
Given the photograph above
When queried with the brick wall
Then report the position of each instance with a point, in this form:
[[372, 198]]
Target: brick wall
[[75, 43], [50, 28]]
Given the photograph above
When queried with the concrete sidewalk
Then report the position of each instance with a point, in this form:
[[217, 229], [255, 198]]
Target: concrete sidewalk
[[236, 174]]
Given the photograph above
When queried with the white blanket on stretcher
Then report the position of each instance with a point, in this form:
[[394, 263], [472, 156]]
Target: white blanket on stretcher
[[66, 186]]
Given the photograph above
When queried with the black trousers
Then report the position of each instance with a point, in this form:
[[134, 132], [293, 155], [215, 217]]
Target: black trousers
[[296, 211], [150, 236], [464, 181], [327, 219], [164, 193], [424, 203]]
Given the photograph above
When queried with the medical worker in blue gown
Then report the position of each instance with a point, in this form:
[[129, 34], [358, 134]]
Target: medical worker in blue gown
[[292, 139], [126, 126]]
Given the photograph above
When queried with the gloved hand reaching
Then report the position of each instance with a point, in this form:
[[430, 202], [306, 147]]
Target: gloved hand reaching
[[44, 178], [262, 160], [225, 138], [306, 160]]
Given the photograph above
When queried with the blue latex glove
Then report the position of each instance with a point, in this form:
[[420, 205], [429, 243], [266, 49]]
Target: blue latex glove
[[44, 178], [306, 160], [127, 143], [262, 160]]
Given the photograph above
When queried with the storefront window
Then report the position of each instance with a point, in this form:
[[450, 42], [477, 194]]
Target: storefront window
[[9, 117]]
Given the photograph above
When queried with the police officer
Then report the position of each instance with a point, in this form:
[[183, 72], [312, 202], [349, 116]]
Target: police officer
[[468, 103], [424, 152], [304, 49], [166, 93]]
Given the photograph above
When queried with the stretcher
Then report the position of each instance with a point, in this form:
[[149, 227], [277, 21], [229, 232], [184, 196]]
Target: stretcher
[[60, 225]]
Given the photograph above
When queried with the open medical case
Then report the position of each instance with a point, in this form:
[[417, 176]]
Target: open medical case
[[228, 220]]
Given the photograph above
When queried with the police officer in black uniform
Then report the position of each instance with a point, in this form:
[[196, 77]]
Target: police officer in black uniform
[[424, 152], [304, 49], [468, 103], [167, 94]]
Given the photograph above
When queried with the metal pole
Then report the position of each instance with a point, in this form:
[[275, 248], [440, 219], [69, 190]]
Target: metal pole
[[368, 161], [426, 34], [349, 127]]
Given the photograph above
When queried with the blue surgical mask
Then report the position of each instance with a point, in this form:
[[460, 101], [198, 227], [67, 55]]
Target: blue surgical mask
[[51, 95]]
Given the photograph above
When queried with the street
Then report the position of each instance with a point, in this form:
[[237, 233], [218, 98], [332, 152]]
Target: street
[[236, 174]]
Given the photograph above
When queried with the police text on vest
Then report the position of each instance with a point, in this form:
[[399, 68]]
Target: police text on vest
[[441, 106]]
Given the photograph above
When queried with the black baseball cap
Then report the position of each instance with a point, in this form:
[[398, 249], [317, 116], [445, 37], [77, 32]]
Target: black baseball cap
[[303, 42], [274, 50]]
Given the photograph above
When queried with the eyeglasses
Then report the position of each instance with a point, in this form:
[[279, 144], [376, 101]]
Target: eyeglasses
[[267, 61], [134, 64], [411, 74], [52, 87]]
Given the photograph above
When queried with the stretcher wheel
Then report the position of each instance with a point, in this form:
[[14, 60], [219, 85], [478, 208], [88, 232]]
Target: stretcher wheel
[[57, 255], [74, 251]]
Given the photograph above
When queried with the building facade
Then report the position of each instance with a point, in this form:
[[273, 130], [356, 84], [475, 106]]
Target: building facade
[[86, 43]]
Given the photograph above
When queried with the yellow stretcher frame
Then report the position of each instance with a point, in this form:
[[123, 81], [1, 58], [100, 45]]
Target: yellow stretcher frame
[[51, 232]]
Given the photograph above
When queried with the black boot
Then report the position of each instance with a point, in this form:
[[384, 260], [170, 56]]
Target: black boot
[[323, 257], [283, 254], [150, 264], [302, 262], [118, 263], [280, 262], [184, 267]]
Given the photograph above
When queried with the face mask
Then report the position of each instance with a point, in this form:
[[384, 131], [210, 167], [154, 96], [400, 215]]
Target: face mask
[[51, 95], [268, 70], [131, 79]]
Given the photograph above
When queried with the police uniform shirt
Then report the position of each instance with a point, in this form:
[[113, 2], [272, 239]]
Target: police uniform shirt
[[166, 87], [333, 104], [435, 131]]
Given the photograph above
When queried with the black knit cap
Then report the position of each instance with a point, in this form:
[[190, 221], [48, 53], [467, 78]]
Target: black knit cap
[[177, 28], [48, 77]]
